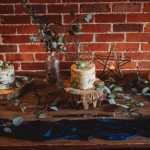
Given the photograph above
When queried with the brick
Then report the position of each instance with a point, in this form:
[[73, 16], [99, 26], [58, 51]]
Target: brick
[[126, 47], [139, 55], [138, 37], [31, 73], [130, 65], [99, 66], [60, 28], [16, 39], [109, 18], [9, 1], [61, 8], [31, 48], [8, 48], [144, 65], [41, 56], [141, 17], [19, 57], [6, 9], [126, 7], [147, 28], [1, 57], [96, 28], [27, 29], [33, 66], [90, 8], [145, 47], [127, 27], [98, 47], [65, 65], [19, 9], [69, 19], [54, 19], [45, 1], [7, 29], [146, 7], [109, 37], [16, 66], [81, 38], [17, 19]]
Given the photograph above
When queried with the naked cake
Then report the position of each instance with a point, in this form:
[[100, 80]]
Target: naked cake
[[83, 77]]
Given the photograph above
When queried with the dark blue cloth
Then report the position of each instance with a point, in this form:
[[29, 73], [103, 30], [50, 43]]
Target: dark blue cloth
[[110, 129]]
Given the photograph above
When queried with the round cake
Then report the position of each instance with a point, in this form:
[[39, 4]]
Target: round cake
[[83, 78], [7, 73]]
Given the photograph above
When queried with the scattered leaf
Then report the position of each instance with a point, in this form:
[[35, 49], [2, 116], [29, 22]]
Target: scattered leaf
[[7, 130], [42, 115], [54, 108], [17, 121], [145, 90]]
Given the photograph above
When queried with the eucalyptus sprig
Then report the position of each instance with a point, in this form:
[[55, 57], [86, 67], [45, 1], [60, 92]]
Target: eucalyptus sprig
[[48, 35], [115, 93]]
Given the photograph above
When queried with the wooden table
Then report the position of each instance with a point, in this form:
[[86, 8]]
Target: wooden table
[[29, 97]]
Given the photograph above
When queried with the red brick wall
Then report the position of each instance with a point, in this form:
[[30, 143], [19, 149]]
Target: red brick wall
[[125, 22]]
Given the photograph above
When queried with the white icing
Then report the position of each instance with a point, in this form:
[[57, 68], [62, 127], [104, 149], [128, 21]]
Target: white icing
[[84, 78], [7, 75]]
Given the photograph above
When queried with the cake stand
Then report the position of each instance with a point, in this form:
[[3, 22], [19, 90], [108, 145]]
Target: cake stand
[[14, 92], [84, 97]]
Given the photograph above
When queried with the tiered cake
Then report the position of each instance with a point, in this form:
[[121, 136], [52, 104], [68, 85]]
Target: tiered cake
[[83, 78], [7, 73]]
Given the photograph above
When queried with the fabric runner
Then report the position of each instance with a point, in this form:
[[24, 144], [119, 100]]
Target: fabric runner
[[109, 129]]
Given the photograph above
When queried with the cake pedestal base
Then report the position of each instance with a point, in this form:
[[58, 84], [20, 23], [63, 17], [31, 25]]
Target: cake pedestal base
[[85, 97]]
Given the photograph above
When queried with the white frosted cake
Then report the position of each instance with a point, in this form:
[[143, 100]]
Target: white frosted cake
[[83, 78], [7, 73]]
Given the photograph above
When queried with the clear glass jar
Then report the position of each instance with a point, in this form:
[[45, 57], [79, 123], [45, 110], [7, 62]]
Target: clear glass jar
[[53, 68]]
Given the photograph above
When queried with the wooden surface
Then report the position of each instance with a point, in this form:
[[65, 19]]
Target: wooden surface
[[28, 100]]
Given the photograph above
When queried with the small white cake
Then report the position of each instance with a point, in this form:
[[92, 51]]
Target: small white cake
[[83, 78], [7, 73]]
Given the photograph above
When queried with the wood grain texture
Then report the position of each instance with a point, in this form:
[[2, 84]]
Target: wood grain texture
[[95, 144]]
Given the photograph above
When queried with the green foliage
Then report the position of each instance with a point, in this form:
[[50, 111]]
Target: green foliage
[[115, 93], [48, 35], [17, 121]]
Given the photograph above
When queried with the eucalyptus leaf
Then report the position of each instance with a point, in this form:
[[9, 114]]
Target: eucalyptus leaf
[[54, 108], [111, 101], [145, 90], [18, 83], [7, 130], [42, 115], [17, 121], [33, 38], [88, 17], [112, 80], [54, 44], [106, 89], [135, 114], [123, 106]]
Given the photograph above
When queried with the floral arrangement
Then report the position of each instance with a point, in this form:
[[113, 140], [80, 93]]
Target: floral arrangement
[[48, 36]]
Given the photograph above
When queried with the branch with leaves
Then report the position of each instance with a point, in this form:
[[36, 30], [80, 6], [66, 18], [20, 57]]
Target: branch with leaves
[[48, 36]]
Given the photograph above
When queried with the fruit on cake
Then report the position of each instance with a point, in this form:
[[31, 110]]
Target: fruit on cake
[[83, 75], [7, 73]]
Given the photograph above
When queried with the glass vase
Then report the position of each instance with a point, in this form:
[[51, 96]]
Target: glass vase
[[53, 68]]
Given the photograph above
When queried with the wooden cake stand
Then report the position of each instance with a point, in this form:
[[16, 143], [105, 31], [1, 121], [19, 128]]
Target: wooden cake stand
[[85, 97]]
